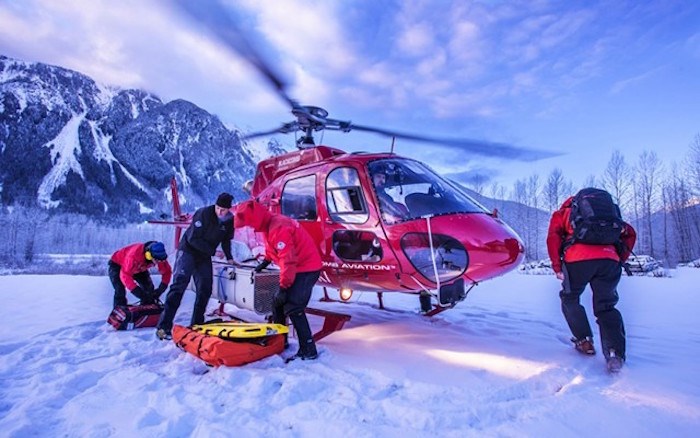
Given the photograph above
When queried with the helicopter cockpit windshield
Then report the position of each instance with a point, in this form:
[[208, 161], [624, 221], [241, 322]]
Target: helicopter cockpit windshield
[[407, 190]]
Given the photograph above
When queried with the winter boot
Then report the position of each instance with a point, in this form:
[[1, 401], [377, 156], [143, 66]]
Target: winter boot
[[425, 305], [164, 335], [584, 345], [614, 362]]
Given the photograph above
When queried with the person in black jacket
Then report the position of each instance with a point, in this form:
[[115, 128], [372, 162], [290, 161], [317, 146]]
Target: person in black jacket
[[211, 226]]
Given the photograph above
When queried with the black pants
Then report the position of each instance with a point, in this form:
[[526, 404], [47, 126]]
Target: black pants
[[143, 279], [188, 265], [603, 276], [292, 302]]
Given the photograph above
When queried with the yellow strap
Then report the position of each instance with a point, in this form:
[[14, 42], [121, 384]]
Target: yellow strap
[[240, 329]]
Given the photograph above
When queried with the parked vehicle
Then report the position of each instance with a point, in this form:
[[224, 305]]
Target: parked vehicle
[[642, 264], [543, 266]]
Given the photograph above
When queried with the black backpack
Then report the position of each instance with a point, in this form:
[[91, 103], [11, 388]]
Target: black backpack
[[595, 218]]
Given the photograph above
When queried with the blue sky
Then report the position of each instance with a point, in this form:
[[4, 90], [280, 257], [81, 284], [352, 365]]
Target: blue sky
[[581, 78]]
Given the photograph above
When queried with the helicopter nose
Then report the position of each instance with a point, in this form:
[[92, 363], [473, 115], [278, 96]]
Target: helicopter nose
[[476, 246], [494, 248]]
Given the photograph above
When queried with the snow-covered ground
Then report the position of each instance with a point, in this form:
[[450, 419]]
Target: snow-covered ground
[[499, 364]]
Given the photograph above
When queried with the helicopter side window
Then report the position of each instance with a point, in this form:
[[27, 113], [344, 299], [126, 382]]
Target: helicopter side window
[[360, 246], [299, 198], [344, 197]]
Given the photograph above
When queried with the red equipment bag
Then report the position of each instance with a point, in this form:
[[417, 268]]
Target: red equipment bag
[[216, 351], [131, 317]]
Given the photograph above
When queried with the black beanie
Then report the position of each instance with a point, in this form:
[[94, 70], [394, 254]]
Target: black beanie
[[224, 200]]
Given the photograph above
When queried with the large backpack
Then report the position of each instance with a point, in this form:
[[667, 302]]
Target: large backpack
[[595, 218]]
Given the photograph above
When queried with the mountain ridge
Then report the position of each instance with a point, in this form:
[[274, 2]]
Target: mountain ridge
[[70, 144]]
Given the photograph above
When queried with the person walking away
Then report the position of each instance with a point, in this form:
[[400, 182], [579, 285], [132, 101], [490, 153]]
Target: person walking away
[[211, 226], [587, 243], [128, 269], [291, 248]]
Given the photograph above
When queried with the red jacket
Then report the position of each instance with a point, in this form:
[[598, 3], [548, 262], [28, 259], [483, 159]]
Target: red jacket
[[132, 260], [287, 244], [560, 230]]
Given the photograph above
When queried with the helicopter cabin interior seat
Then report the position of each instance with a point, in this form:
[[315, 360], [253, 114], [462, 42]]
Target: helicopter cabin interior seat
[[299, 207], [392, 210], [420, 204], [355, 246]]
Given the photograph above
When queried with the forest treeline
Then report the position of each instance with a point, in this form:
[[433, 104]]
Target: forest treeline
[[661, 200]]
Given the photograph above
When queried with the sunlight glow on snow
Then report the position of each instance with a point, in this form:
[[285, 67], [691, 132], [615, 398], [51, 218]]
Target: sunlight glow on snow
[[653, 400], [501, 365]]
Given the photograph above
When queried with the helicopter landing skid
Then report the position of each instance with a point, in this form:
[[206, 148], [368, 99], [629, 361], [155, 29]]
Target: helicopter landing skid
[[435, 310], [332, 321], [327, 299]]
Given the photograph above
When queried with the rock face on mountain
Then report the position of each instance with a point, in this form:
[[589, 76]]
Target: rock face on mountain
[[70, 144]]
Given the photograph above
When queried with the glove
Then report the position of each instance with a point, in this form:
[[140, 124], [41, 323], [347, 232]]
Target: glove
[[159, 290], [145, 296], [139, 293], [264, 264]]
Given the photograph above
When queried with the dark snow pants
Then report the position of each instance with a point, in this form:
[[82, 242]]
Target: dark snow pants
[[188, 265], [603, 277], [143, 279], [292, 302]]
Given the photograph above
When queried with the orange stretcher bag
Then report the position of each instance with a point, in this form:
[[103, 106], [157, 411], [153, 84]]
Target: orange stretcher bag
[[216, 351]]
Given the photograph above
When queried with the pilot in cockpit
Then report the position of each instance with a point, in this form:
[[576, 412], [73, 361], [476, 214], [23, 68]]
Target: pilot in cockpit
[[391, 210]]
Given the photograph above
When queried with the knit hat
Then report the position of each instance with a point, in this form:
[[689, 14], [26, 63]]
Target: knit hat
[[224, 200], [157, 250]]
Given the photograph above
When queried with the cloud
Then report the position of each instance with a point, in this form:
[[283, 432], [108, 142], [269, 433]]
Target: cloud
[[308, 32], [693, 44], [619, 86], [415, 40]]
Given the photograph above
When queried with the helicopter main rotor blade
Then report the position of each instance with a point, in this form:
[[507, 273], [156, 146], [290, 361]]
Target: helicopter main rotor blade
[[216, 19], [284, 129], [479, 147]]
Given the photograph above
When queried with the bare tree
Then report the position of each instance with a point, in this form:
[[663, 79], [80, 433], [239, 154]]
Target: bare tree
[[693, 164], [590, 181], [478, 183], [533, 196], [553, 189], [498, 193], [693, 171], [648, 179], [617, 179], [519, 195], [677, 200]]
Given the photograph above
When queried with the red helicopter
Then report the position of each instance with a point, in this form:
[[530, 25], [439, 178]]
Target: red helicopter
[[386, 223], [382, 222]]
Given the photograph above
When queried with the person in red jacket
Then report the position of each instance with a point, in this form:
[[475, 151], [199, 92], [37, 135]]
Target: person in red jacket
[[128, 269], [291, 248], [578, 265]]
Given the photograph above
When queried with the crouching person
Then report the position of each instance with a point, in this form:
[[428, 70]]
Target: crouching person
[[291, 248], [128, 269]]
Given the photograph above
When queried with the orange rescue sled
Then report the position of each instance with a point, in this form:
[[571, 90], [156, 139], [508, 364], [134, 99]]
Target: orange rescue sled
[[216, 351]]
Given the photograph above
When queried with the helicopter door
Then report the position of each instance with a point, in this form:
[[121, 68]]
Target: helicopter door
[[354, 237], [298, 201]]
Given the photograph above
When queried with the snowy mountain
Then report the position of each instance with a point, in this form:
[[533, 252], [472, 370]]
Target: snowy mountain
[[70, 144]]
